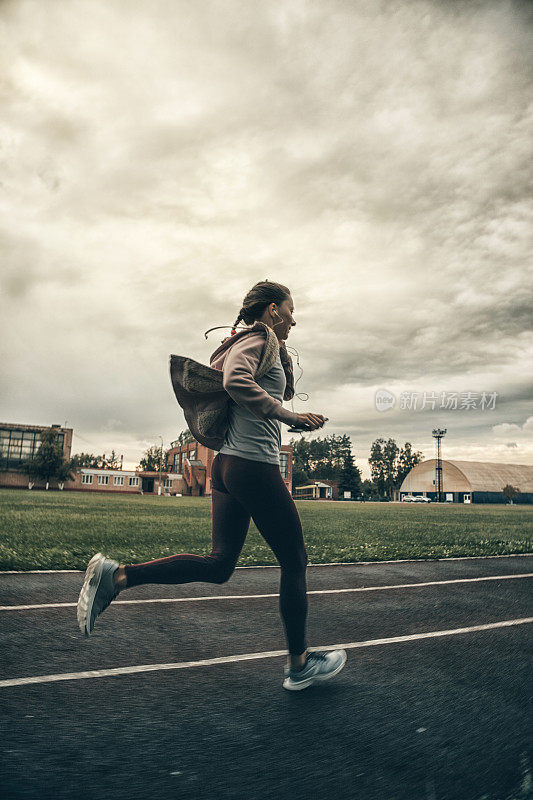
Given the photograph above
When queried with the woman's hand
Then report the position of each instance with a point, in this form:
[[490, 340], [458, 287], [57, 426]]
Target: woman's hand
[[310, 421]]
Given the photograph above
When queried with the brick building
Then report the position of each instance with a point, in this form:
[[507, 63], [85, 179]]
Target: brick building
[[192, 463], [19, 443], [188, 466], [123, 481]]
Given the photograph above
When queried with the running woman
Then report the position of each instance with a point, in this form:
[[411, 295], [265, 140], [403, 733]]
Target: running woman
[[246, 482]]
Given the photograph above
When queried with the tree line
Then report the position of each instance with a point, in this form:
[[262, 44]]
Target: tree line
[[328, 458], [331, 458], [390, 464]]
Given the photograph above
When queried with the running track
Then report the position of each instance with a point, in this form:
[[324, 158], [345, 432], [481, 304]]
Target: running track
[[178, 691]]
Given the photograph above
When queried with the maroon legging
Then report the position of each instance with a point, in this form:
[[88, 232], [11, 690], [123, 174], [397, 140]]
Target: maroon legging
[[242, 488]]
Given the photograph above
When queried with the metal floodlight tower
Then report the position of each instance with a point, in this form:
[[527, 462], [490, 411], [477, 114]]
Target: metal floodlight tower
[[438, 433]]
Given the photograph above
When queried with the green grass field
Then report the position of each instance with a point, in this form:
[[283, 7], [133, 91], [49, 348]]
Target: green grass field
[[62, 530]]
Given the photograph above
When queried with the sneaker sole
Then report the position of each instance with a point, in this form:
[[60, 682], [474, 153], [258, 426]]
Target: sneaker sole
[[93, 574], [296, 686]]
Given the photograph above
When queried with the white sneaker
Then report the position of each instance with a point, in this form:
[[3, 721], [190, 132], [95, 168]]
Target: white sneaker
[[97, 592], [319, 666]]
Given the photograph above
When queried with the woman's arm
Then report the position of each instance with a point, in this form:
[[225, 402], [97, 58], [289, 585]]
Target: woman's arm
[[239, 369]]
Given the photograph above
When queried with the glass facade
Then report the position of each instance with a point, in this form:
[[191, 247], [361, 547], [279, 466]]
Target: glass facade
[[18, 446]]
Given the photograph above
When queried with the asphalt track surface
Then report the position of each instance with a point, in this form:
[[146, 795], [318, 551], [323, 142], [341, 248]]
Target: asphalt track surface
[[423, 717]]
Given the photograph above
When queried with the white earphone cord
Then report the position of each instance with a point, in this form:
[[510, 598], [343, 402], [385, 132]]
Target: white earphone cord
[[298, 362]]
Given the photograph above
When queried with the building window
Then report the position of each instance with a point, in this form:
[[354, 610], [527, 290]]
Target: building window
[[118, 480], [103, 480], [180, 458], [192, 455], [19, 446], [4, 443], [86, 478], [168, 483], [284, 464], [134, 481]]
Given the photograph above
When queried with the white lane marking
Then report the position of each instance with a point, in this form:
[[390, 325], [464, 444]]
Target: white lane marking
[[276, 566], [275, 594], [105, 673]]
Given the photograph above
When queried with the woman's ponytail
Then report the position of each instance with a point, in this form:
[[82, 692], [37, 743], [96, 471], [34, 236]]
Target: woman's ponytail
[[233, 331], [256, 301]]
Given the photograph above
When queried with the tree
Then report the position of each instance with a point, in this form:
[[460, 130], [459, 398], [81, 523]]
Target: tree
[[330, 458], [406, 461], [112, 461], [66, 472], [390, 455], [301, 468], [86, 460], [96, 462], [48, 462], [510, 492], [299, 477], [185, 437], [350, 477], [389, 465], [378, 469], [29, 469], [153, 459], [368, 490]]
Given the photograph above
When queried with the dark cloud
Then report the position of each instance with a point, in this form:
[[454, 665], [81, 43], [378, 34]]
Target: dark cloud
[[158, 160]]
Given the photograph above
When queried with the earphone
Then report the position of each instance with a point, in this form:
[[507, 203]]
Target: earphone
[[281, 318], [293, 429], [302, 395]]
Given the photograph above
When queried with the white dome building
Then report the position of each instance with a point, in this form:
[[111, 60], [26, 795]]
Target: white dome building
[[469, 481]]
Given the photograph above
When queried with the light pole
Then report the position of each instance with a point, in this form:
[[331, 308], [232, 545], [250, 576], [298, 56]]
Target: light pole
[[438, 434], [160, 463]]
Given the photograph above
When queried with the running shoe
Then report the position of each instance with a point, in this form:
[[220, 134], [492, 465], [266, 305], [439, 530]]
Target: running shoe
[[319, 666], [97, 592]]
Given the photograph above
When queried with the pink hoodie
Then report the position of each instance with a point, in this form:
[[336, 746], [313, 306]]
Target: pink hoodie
[[238, 357]]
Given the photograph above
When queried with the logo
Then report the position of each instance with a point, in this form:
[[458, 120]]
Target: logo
[[385, 400]]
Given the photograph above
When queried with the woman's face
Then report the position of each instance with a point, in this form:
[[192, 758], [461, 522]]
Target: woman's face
[[280, 318]]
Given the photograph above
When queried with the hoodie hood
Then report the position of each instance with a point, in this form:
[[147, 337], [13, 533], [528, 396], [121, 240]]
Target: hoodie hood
[[200, 392], [271, 340]]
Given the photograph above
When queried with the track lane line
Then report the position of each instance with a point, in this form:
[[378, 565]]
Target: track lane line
[[105, 673], [276, 566], [275, 594]]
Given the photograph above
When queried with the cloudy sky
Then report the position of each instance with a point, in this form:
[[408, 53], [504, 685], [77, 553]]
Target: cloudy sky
[[159, 158]]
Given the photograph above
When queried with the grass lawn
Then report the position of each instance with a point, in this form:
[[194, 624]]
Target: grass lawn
[[62, 530]]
